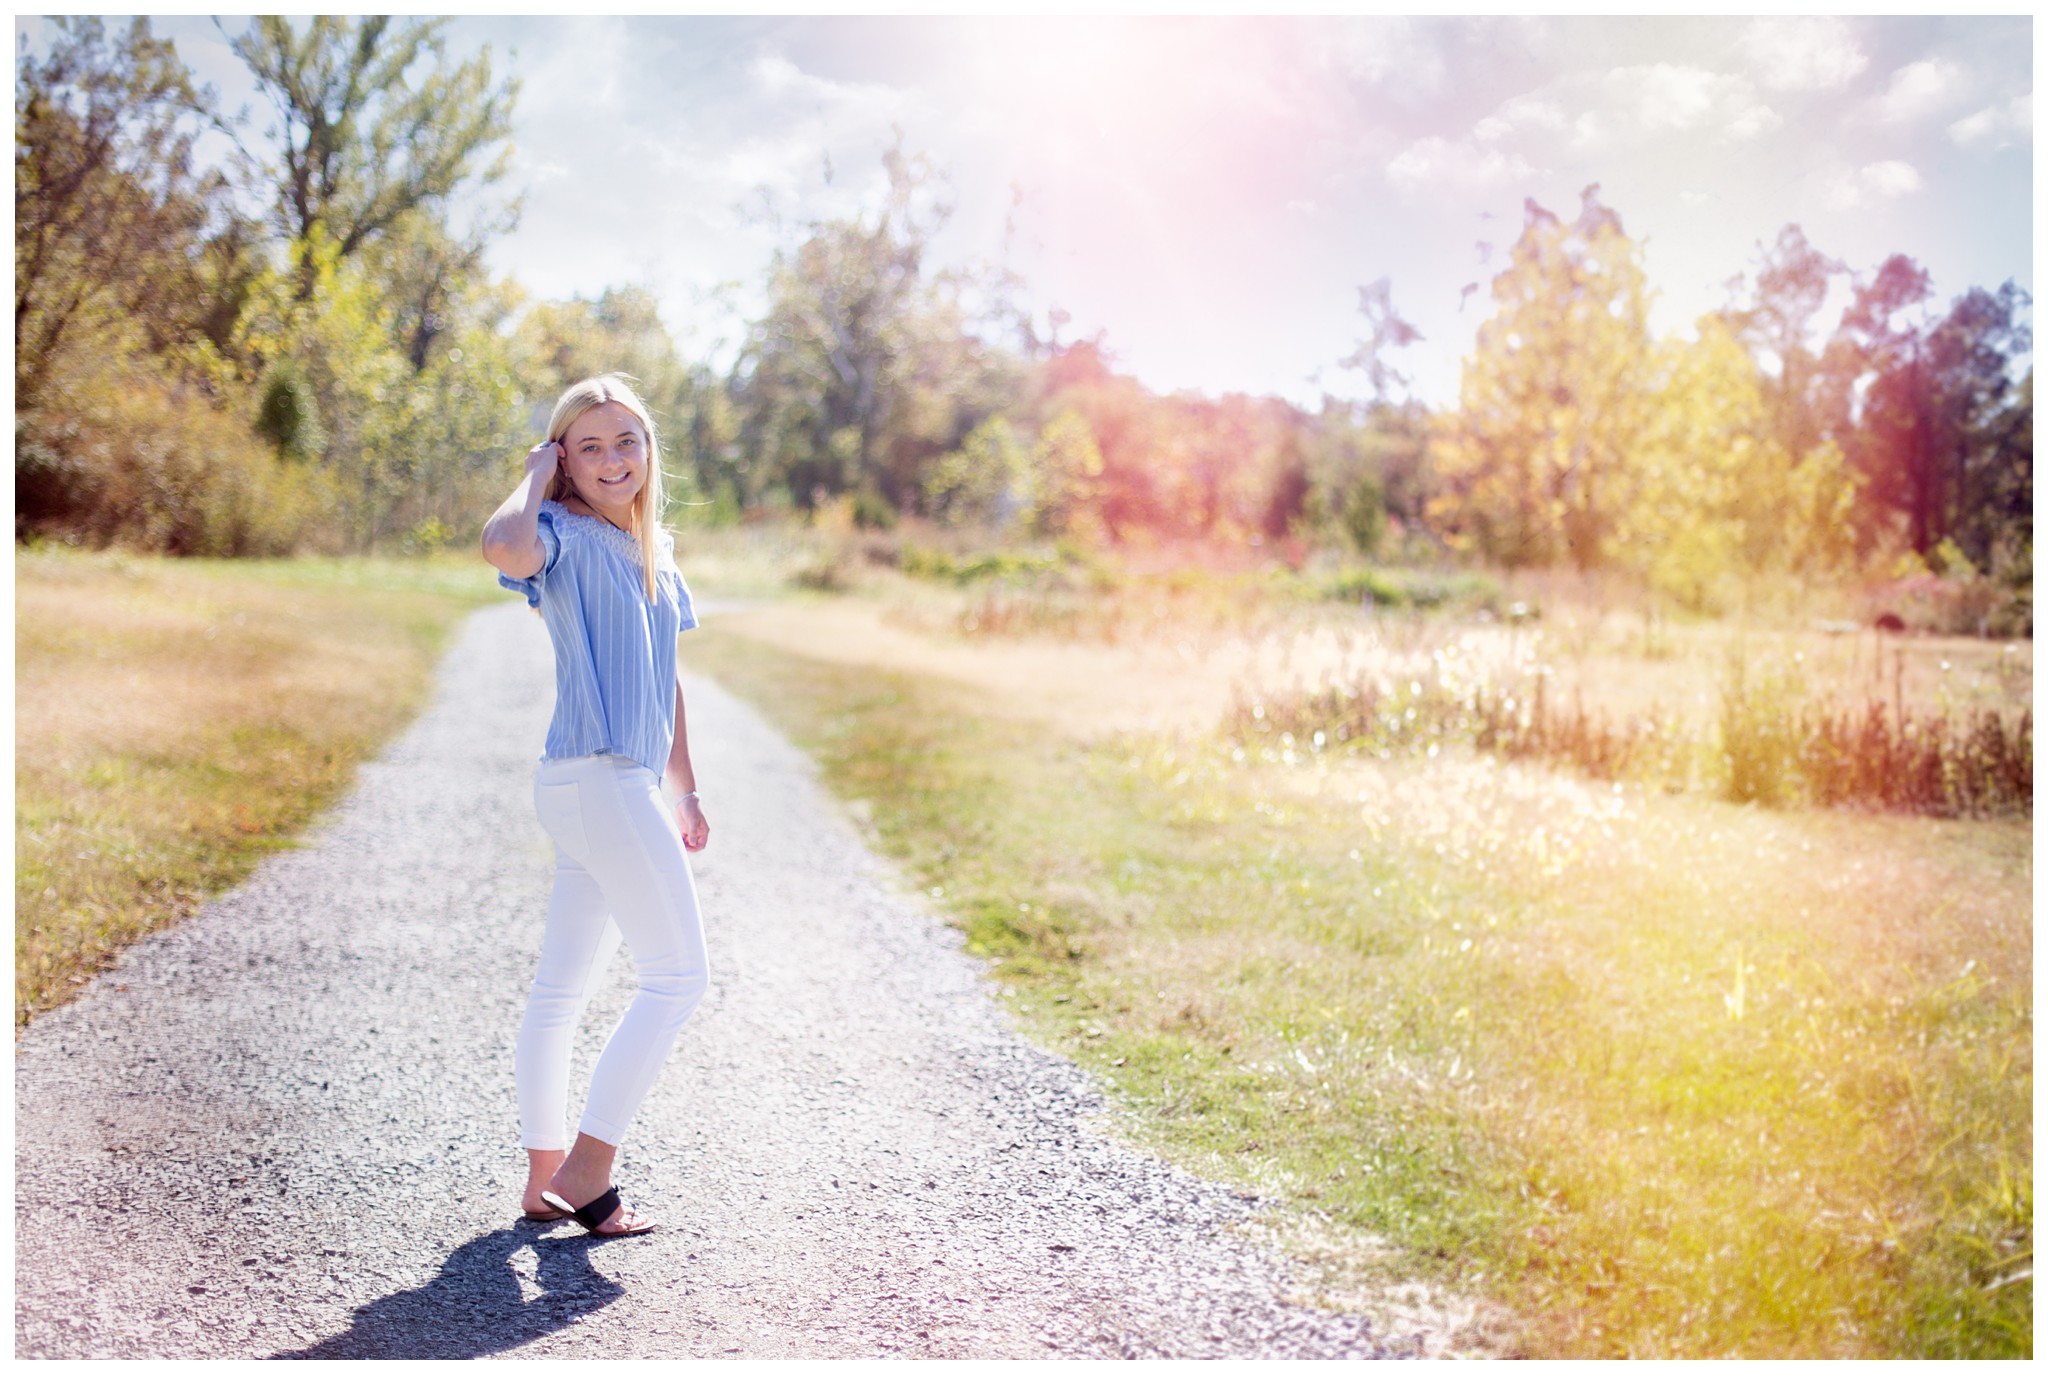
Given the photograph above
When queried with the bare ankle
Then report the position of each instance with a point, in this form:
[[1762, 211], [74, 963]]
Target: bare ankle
[[589, 1163]]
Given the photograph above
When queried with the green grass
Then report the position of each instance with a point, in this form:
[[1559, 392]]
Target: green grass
[[178, 720], [1656, 1077]]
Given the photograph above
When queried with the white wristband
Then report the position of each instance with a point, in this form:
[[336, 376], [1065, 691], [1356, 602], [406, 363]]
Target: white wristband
[[688, 797]]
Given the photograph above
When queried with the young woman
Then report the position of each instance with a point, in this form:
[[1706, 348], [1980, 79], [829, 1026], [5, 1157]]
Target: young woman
[[580, 537]]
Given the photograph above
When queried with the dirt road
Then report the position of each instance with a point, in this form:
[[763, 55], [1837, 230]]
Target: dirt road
[[286, 1128]]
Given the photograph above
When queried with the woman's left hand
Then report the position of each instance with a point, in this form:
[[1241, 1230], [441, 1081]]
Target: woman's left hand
[[690, 822]]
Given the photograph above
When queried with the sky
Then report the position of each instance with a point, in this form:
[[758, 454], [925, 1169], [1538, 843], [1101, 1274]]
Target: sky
[[1211, 193]]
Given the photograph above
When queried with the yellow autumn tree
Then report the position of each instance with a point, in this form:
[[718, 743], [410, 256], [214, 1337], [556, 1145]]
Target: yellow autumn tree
[[1711, 492], [1682, 521], [1068, 463], [1535, 463]]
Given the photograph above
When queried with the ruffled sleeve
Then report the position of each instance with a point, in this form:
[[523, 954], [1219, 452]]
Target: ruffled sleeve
[[551, 544]]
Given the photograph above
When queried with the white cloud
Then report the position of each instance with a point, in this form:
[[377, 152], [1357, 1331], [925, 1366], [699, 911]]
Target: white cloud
[[1891, 178], [1623, 106], [1803, 54], [1388, 51], [590, 79], [1996, 127], [1637, 104], [801, 121], [1921, 88], [1462, 164], [1518, 114], [1665, 96]]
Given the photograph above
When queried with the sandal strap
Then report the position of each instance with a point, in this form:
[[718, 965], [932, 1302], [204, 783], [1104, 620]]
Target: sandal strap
[[593, 1214]]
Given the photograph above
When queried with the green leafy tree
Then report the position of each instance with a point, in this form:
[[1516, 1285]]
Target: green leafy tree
[[1345, 500], [987, 482], [1933, 413], [1983, 462], [383, 310], [622, 330], [373, 121], [1068, 466], [842, 386], [429, 277], [401, 443], [1877, 363]]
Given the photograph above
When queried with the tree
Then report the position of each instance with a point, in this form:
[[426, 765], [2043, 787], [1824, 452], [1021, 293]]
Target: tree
[[131, 272], [111, 217], [361, 141], [1932, 413], [424, 272], [1711, 494], [1553, 396], [1387, 332], [1128, 493], [1983, 432], [1876, 361], [1068, 467], [620, 330], [863, 371], [1777, 325], [987, 482], [1367, 470]]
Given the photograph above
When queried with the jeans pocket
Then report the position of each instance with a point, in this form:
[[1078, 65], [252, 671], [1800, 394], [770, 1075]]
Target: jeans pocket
[[560, 808]]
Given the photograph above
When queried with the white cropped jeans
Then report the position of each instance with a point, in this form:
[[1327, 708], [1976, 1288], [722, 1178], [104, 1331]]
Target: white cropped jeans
[[620, 872]]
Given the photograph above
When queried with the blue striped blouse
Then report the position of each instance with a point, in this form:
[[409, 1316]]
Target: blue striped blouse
[[615, 654]]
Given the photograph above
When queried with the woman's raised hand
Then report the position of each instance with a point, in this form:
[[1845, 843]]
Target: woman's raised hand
[[511, 536], [545, 457]]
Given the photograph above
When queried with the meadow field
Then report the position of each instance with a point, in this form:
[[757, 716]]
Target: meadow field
[[1564, 1064], [177, 719]]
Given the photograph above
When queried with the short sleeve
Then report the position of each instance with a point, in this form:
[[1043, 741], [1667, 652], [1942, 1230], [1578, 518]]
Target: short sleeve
[[551, 544], [686, 612]]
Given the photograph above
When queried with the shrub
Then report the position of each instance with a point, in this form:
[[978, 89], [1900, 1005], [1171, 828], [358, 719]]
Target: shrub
[[139, 462], [1760, 729], [831, 570], [937, 565], [1768, 745], [1398, 589]]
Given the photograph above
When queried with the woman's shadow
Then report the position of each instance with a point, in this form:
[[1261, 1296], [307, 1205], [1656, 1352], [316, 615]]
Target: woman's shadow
[[474, 1306]]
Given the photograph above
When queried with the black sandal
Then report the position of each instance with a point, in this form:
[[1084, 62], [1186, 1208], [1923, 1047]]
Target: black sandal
[[595, 1213]]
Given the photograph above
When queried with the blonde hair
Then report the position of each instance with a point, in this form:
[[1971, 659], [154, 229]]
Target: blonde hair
[[577, 400]]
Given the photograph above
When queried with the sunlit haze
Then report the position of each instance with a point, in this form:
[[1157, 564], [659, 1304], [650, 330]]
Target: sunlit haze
[[1210, 193]]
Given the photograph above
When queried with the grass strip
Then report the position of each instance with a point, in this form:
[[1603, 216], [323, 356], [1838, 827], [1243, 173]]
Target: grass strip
[[176, 720], [1664, 1078]]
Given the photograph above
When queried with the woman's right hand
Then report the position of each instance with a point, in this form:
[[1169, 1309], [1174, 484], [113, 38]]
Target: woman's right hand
[[544, 458]]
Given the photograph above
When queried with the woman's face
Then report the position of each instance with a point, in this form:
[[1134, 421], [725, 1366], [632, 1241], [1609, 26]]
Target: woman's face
[[607, 457]]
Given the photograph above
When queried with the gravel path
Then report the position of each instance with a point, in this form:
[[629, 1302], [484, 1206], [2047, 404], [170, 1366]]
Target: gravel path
[[286, 1127]]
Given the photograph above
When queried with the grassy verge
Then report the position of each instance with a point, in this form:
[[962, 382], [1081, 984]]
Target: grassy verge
[[176, 720], [1662, 1077]]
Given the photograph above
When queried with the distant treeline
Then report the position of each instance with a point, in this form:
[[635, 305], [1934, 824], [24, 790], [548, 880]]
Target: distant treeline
[[293, 347]]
